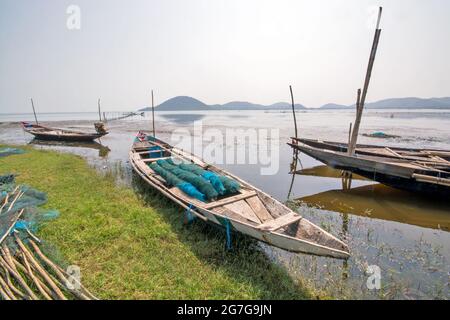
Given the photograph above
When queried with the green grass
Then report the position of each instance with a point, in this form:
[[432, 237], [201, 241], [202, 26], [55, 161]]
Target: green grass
[[134, 245]]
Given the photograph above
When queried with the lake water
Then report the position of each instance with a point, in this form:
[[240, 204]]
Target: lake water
[[405, 235]]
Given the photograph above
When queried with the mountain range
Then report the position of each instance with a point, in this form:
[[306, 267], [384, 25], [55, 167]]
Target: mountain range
[[180, 103]]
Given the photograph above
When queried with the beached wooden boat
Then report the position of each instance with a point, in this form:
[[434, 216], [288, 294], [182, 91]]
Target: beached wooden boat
[[250, 211], [55, 134], [426, 171]]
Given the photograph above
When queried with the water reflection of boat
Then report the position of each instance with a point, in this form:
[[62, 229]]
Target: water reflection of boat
[[326, 172], [426, 171], [102, 150], [382, 202], [247, 210]]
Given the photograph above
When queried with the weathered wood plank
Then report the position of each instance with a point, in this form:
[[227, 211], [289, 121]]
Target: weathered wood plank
[[181, 194], [275, 209], [280, 222], [241, 207], [154, 159], [259, 209], [431, 179], [233, 215], [225, 201]]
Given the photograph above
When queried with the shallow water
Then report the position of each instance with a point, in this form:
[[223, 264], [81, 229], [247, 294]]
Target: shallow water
[[405, 235]]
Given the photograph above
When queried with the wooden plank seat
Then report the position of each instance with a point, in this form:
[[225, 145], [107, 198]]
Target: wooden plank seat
[[280, 222], [151, 151], [154, 159], [224, 201]]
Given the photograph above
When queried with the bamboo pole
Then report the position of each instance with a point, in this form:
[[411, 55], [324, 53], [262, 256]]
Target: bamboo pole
[[19, 279], [360, 107], [354, 134], [12, 286], [39, 269], [153, 115], [99, 112], [349, 136], [5, 292], [33, 277], [84, 295], [17, 266], [9, 259], [34, 111], [293, 111]]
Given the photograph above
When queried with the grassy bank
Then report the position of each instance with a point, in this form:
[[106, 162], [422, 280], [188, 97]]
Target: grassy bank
[[134, 245]]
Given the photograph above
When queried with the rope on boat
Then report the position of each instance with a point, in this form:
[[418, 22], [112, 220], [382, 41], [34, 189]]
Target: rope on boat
[[228, 233], [189, 216]]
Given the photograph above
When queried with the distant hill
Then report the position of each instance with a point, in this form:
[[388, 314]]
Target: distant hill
[[333, 106], [286, 105], [186, 103], [400, 103], [180, 103]]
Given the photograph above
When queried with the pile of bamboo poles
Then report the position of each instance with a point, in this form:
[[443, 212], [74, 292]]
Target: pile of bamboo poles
[[26, 273]]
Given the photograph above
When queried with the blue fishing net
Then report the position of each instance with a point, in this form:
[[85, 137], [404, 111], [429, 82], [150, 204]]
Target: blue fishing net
[[173, 180], [10, 151], [19, 220], [208, 175], [203, 185], [19, 209], [229, 184], [191, 191]]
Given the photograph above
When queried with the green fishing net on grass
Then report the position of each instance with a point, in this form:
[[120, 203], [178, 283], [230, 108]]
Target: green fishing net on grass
[[9, 151], [31, 218]]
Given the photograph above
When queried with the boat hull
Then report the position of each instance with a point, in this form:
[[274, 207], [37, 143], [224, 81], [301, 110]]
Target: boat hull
[[331, 247], [393, 175], [53, 137], [54, 134]]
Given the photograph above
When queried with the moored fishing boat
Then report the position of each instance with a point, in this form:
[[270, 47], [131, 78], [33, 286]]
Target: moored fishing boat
[[56, 134], [424, 154], [407, 169], [247, 209]]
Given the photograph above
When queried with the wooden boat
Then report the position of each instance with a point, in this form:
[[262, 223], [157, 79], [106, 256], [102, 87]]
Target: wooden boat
[[251, 211], [417, 170], [55, 134], [376, 150]]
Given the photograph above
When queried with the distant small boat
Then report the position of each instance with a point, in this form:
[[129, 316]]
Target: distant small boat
[[55, 134], [249, 211], [417, 170]]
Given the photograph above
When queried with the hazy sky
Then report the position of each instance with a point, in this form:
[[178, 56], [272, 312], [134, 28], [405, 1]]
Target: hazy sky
[[217, 51]]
